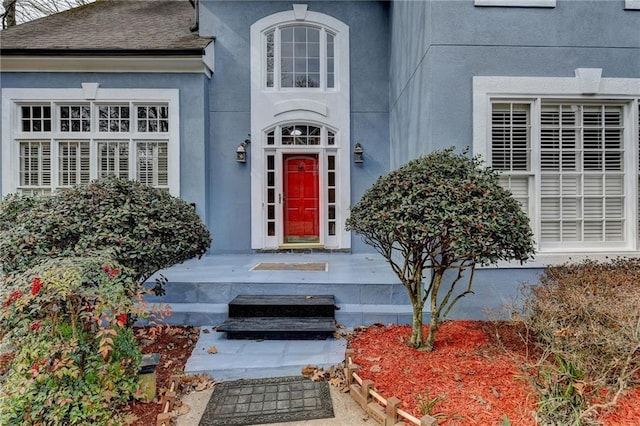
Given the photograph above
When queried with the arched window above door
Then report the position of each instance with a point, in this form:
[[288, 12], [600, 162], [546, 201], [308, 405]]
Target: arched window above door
[[300, 56], [301, 134]]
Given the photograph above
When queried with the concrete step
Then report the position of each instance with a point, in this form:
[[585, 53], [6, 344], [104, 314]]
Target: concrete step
[[279, 328], [253, 359], [262, 305]]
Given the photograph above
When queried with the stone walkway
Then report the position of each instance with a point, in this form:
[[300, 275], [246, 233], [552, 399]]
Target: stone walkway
[[255, 359], [245, 359]]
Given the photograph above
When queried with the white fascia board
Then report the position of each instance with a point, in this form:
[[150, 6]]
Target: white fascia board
[[151, 64]]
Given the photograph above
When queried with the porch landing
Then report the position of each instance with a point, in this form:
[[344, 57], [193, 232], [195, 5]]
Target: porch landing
[[365, 288]]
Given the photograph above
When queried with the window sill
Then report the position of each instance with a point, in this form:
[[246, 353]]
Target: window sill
[[518, 3], [632, 5], [542, 260]]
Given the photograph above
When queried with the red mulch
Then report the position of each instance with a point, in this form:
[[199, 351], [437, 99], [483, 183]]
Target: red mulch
[[477, 378], [174, 344], [475, 374]]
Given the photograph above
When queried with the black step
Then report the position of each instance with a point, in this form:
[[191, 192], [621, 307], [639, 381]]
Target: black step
[[278, 328], [282, 306]]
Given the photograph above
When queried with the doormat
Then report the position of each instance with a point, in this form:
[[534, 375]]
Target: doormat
[[274, 400], [282, 266]]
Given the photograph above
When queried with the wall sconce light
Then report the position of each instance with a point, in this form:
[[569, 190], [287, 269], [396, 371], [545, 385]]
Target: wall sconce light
[[358, 154], [241, 151]]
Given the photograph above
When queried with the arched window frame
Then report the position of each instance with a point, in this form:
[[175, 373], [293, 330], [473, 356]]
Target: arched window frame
[[285, 37]]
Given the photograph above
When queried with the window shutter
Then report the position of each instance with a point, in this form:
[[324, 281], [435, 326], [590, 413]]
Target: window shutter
[[581, 201], [152, 165], [519, 187], [510, 134], [73, 163], [113, 159], [35, 167]]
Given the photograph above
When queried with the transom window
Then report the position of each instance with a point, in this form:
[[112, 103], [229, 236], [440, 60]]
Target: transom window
[[301, 134], [114, 118], [36, 118], [566, 161], [300, 56]]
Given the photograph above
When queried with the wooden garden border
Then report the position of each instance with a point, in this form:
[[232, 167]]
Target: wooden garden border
[[167, 401], [385, 412]]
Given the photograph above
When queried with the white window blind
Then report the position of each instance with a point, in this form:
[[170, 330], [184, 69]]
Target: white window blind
[[152, 164], [510, 128], [35, 167], [579, 179], [73, 163], [113, 159]]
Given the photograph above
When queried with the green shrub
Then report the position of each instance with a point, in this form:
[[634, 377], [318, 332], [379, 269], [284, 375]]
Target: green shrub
[[586, 318], [145, 229], [442, 213], [75, 361]]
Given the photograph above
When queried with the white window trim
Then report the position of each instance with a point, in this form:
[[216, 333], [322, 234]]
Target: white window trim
[[586, 85], [90, 92], [517, 3], [632, 4], [319, 106]]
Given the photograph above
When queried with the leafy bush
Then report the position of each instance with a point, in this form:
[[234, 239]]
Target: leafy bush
[[75, 360], [586, 318], [441, 212], [145, 228]]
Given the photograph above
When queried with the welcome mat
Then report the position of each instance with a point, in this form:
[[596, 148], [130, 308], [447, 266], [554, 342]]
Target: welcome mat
[[258, 401], [283, 266]]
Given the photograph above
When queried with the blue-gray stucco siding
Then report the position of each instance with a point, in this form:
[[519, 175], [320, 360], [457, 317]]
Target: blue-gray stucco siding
[[437, 47]]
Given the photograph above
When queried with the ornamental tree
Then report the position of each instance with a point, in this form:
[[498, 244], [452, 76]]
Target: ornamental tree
[[434, 219], [143, 228]]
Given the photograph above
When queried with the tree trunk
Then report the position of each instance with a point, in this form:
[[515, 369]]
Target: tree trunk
[[414, 288], [416, 331], [434, 324], [434, 321]]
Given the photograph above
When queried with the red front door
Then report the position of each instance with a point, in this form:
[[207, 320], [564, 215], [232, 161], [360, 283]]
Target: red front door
[[301, 199]]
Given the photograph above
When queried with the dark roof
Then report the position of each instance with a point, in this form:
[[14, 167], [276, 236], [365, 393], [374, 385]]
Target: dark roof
[[109, 27]]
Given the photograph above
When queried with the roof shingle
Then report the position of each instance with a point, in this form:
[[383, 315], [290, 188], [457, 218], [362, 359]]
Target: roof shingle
[[110, 25]]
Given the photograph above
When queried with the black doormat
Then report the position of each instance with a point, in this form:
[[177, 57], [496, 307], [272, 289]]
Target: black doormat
[[258, 401]]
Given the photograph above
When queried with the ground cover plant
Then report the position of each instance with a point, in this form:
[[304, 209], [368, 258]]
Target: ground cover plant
[[144, 228], [75, 361], [586, 320], [434, 219]]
